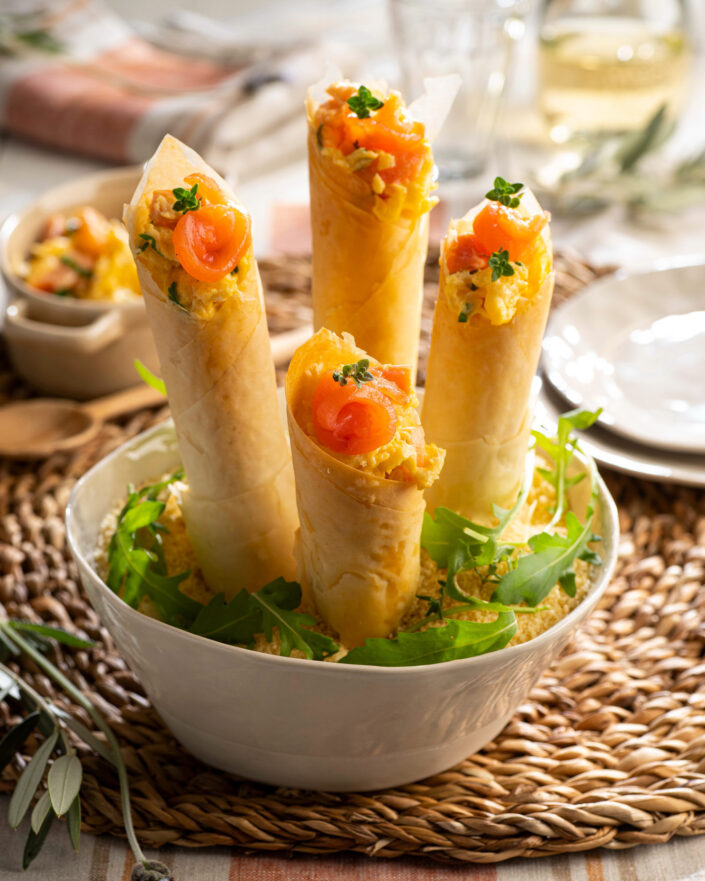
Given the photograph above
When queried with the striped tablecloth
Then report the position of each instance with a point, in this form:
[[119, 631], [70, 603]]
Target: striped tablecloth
[[106, 859]]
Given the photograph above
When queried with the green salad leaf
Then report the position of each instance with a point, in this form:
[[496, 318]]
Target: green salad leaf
[[274, 605], [454, 640], [561, 449], [147, 376], [136, 558]]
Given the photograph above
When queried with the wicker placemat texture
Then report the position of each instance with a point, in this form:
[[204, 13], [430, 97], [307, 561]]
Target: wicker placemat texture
[[608, 751]]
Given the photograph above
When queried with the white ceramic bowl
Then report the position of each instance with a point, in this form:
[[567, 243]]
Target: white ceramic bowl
[[309, 724], [63, 345]]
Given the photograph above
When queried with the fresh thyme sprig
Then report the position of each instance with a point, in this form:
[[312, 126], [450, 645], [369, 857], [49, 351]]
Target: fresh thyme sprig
[[148, 242], [186, 200], [500, 265], [504, 193], [465, 313], [363, 101], [173, 295], [358, 372]]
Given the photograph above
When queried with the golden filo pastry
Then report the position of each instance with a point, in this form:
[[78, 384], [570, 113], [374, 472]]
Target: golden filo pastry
[[371, 182], [495, 289], [192, 245], [361, 465]]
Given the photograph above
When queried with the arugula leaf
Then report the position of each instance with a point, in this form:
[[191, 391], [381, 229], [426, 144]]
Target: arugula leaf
[[278, 599], [358, 372], [364, 101], [536, 574], [231, 622], [500, 265], [454, 640], [274, 605], [561, 449], [147, 376], [503, 192], [186, 200], [136, 568]]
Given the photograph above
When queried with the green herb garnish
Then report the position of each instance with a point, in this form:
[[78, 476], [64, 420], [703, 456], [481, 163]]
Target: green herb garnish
[[63, 292], [77, 268], [319, 136], [456, 639], [500, 265], [186, 200], [358, 372], [136, 558], [503, 192], [248, 614], [148, 242], [148, 377], [364, 101], [174, 296], [235, 271], [465, 313]]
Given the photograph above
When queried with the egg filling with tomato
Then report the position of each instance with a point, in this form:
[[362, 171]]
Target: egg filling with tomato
[[371, 135], [367, 418], [494, 261], [196, 242]]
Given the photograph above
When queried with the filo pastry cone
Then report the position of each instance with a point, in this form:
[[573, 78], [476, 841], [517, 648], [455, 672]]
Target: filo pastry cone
[[370, 182], [485, 347], [213, 345], [361, 513]]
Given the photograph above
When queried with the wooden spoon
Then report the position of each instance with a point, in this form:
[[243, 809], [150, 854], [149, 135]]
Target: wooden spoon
[[39, 427]]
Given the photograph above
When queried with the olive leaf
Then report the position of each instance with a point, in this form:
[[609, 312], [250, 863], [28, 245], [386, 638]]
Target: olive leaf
[[85, 734], [35, 841], [74, 822], [15, 739], [29, 780], [65, 637], [39, 814], [64, 781]]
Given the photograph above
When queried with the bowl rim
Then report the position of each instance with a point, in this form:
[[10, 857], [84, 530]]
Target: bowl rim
[[518, 651], [10, 223]]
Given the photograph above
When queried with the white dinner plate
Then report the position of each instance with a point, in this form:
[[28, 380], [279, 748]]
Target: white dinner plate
[[634, 344], [620, 453]]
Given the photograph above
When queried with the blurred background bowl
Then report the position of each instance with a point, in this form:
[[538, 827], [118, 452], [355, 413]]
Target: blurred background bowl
[[66, 346]]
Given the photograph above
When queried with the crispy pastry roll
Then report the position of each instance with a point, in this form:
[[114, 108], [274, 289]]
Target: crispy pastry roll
[[361, 464], [192, 244], [495, 290], [370, 176]]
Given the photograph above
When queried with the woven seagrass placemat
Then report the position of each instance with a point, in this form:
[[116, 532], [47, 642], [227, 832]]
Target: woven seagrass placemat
[[609, 750]]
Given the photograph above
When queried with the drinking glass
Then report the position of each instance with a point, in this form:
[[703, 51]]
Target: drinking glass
[[472, 38], [606, 67]]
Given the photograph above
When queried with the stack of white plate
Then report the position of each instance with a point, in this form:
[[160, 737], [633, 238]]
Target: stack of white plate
[[634, 344]]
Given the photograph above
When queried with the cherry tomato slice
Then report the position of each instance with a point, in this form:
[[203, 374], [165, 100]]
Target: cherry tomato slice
[[352, 420], [209, 242]]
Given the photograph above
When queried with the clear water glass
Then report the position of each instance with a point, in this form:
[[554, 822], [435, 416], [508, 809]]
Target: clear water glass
[[472, 38]]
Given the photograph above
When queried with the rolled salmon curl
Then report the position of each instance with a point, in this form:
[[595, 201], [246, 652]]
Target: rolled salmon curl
[[210, 240], [497, 228], [350, 419]]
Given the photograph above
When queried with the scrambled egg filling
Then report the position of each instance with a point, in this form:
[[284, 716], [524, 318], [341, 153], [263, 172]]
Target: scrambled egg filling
[[391, 200], [475, 294], [57, 266], [199, 298], [533, 517]]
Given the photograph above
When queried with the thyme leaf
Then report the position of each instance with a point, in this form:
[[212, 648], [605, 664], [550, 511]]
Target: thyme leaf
[[358, 372], [186, 200], [500, 265], [504, 193], [363, 101]]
